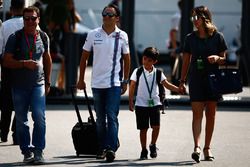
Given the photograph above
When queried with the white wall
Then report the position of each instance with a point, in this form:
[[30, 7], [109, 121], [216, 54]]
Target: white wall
[[152, 18]]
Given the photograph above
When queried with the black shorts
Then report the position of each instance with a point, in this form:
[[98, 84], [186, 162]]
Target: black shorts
[[146, 115]]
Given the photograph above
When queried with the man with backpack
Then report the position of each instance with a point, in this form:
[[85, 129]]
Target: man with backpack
[[143, 83], [28, 57]]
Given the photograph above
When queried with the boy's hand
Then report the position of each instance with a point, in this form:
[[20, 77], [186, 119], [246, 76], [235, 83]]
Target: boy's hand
[[81, 85]]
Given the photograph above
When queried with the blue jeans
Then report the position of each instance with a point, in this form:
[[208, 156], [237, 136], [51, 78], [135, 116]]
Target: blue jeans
[[34, 100], [106, 104]]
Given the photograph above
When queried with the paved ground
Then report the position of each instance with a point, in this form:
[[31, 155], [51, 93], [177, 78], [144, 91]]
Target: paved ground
[[231, 141]]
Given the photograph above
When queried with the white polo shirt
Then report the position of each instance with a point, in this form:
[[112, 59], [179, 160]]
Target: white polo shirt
[[9, 27], [142, 96], [106, 70]]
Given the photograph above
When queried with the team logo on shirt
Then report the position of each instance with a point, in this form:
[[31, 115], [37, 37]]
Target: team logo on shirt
[[98, 35], [98, 40]]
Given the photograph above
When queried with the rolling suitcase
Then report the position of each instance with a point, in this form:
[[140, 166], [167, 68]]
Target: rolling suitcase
[[84, 133]]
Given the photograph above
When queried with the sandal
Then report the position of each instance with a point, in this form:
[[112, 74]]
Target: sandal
[[207, 154], [196, 154]]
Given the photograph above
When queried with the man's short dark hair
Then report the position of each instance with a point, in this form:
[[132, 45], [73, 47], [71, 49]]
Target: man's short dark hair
[[32, 9], [117, 10], [151, 52]]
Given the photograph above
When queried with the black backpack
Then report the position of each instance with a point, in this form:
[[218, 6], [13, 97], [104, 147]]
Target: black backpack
[[158, 80]]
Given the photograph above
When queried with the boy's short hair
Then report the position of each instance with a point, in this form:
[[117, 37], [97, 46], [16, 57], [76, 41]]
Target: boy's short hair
[[151, 52]]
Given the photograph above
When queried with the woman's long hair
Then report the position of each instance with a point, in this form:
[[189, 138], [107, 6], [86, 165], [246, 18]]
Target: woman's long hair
[[204, 13]]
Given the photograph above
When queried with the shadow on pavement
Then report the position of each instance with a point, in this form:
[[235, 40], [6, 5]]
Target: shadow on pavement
[[73, 160]]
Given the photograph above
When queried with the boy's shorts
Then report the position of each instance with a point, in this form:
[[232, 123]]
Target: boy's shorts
[[146, 115]]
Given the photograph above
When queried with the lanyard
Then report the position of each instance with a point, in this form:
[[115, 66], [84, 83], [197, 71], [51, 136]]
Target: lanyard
[[149, 90], [30, 48]]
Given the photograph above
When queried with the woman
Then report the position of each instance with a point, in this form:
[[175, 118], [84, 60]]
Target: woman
[[204, 50]]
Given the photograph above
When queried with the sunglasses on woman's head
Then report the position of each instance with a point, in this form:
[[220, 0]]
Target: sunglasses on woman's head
[[194, 18], [104, 14]]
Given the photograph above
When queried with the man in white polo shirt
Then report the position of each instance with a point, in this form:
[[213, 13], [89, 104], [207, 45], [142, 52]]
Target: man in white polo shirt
[[110, 74]]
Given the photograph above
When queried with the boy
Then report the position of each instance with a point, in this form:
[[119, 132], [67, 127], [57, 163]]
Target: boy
[[147, 103]]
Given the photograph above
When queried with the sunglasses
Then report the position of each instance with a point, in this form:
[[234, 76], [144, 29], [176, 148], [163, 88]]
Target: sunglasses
[[194, 18], [104, 14], [27, 18]]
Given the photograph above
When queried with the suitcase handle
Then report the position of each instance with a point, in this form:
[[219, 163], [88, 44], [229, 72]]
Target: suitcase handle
[[73, 88], [89, 107], [76, 106]]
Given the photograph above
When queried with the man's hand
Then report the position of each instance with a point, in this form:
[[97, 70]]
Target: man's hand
[[30, 64], [81, 85], [124, 88]]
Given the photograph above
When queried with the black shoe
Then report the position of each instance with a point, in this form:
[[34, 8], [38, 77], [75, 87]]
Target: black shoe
[[101, 154], [144, 154], [153, 152], [196, 154], [110, 156], [28, 157], [38, 157], [3, 137]]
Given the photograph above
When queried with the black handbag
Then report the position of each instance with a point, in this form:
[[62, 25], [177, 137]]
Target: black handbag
[[225, 81]]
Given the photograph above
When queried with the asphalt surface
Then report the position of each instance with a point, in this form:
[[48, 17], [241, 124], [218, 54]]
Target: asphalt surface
[[230, 145]]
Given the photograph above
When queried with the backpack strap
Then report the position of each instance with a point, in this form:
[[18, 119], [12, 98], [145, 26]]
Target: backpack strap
[[43, 37], [138, 74], [161, 87], [158, 76], [18, 35]]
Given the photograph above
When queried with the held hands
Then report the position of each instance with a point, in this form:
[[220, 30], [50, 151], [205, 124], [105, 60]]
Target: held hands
[[182, 89]]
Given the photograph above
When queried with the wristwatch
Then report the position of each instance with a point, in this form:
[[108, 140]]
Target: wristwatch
[[126, 81]]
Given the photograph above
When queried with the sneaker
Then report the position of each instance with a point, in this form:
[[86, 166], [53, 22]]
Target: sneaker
[[38, 157], [153, 152], [110, 156], [101, 154], [28, 157], [144, 154]]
